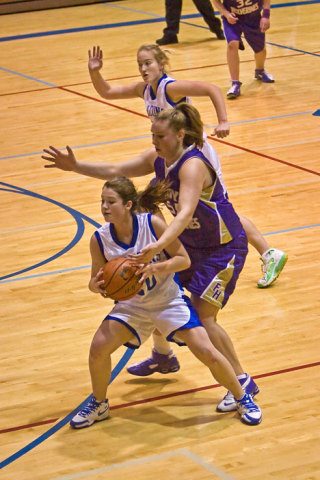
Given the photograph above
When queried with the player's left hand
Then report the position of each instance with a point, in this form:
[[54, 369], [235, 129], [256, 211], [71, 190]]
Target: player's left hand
[[264, 24], [146, 271], [145, 255], [222, 130]]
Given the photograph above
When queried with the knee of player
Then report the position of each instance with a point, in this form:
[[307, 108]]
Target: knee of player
[[208, 355], [233, 45], [98, 349]]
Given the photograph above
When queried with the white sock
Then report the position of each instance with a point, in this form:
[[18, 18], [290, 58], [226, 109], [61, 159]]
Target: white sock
[[242, 376], [161, 345]]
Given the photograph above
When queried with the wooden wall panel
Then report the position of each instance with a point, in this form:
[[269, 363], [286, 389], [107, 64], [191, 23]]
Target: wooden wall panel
[[17, 6]]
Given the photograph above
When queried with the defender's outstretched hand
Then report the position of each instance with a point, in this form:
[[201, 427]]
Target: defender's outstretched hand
[[64, 161]]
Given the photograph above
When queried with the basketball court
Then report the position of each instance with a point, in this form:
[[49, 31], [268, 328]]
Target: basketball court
[[163, 426]]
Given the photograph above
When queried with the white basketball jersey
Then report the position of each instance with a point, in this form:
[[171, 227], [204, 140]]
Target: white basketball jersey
[[159, 100], [156, 290]]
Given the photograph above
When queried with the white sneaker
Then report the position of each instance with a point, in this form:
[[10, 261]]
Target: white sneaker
[[93, 412], [229, 403], [273, 261]]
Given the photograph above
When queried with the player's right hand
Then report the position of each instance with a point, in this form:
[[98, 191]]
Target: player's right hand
[[95, 59], [64, 161], [231, 17]]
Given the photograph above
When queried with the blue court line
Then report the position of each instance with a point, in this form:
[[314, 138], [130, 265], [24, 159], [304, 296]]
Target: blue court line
[[293, 48], [140, 137], [28, 77], [77, 147], [46, 274], [115, 372], [130, 23], [84, 267], [79, 218]]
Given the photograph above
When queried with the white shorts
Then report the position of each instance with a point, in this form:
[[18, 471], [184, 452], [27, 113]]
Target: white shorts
[[178, 314]]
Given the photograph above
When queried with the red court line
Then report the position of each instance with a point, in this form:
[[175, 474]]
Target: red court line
[[254, 152], [168, 395], [294, 165], [103, 101]]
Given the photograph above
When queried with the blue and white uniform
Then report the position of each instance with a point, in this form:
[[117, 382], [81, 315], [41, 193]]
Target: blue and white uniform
[[161, 302], [215, 240], [157, 101]]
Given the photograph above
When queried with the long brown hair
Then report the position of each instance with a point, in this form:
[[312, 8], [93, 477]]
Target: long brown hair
[[147, 200]]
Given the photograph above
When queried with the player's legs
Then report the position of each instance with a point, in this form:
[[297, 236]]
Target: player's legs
[[173, 14], [233, 36], [233, 59], [257, 41], [255, 238], [198, 341], [214, 23], [108, 338], [218, 336], [260, 58]]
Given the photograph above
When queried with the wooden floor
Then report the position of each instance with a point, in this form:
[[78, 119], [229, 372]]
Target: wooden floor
[[163, 427]]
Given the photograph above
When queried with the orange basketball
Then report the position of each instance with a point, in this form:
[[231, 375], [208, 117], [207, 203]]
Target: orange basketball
[[120, 279]]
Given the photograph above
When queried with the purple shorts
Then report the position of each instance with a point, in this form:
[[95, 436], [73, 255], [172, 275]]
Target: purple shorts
[[249, 25], [213, 274]]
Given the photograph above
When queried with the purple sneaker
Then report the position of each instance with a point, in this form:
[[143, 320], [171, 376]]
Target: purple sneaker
[[263, 76], [156, 363], [234, 90]]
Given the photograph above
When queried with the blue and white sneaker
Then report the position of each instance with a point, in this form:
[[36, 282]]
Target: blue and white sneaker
[[250, 413], [263, 76], [93, 412], [229, 403]]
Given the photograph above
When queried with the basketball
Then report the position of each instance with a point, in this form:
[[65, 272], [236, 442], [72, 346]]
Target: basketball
[[120, 280]]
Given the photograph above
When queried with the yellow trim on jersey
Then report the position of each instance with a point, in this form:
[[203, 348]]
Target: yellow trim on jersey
[[216, 289], [225, 235]]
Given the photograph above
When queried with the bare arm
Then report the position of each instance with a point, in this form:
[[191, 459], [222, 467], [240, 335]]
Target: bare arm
[[141, 165], [181, 88], [265, 18], [179, 257], [96, 283], [105, 90], [193, 177]]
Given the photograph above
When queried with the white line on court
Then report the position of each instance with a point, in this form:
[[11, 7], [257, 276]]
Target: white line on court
[[149, 459]]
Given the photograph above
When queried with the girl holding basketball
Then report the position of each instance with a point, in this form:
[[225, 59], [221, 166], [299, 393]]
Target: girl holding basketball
[[204, 221], [160, 91], [159, 304]]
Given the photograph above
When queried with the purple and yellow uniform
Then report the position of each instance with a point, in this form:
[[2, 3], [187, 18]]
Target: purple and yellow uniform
[[214, 239], [248, 13]]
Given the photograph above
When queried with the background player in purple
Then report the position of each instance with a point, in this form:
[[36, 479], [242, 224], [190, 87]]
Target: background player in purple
[[252, 18]]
